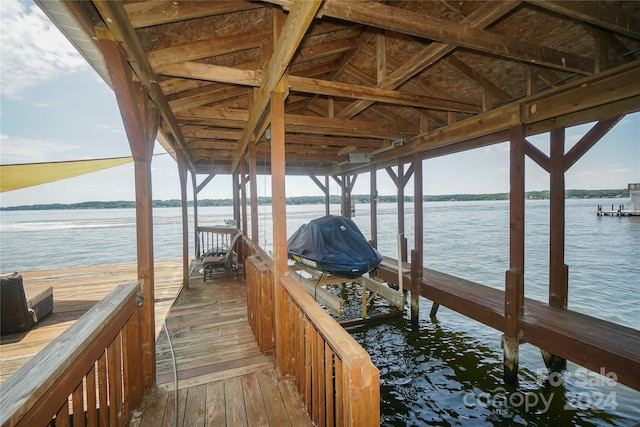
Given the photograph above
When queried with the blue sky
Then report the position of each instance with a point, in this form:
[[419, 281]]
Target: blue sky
[[55, 107]]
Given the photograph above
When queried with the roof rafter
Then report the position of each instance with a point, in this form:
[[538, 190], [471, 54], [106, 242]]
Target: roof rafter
[[300, 17], [415, 24], [484, 16], [612, 19], [115, 17], [153, 12], [207, 48], [218, 73]]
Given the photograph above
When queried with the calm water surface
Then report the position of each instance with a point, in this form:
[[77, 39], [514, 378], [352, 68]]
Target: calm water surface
[[447, 371]]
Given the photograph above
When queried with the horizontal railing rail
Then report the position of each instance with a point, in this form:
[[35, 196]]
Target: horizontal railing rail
[[89, 375]]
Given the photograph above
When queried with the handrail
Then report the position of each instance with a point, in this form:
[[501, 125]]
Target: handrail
[[334, 375], [214, 239], [93, 366]]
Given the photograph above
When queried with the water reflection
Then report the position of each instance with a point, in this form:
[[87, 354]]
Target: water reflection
[[437, 374]]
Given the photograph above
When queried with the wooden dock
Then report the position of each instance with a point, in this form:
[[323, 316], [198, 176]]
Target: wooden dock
[[223, 379], [75, 291], [620, 211]]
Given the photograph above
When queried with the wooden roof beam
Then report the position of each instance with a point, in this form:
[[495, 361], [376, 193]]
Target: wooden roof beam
[[337, 127], [153, 12], [337, 89], [319, 51], [614, 19], [213, 94], [300, 17], [610, 93], [484, 16], [336, 142], [209, 133], [315, 86], [456, 34], [117, 21], [237, 119], [208, 48], [462, 68]]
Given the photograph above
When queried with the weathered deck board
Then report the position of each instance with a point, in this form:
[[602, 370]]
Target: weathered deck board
[[223, 379], [75, 291]]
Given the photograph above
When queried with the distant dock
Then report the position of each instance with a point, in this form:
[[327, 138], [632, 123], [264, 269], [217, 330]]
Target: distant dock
[[632, 209], [620, 211]]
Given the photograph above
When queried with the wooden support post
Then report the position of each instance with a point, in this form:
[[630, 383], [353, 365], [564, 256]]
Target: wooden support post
[[327, 196], [416, 279], [373, 204], [235, 177], [253, 188], [279, 213], [400, 180], [417, 253], [434, 310], [194, 184], [346, 185], [514, 294], [400, 188], [141, 119], [514, 280], [182, 173], [325, 189], [558, 270], [243, 195]]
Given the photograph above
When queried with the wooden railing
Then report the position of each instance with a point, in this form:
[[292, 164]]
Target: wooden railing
[[89, 375], [260, 301], [332, 372], [214, 240]]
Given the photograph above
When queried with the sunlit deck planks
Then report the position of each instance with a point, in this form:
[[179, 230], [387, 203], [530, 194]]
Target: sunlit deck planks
[[75, 291], [223, 379]]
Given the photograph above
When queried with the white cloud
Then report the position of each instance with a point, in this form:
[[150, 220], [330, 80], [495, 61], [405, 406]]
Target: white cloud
[[33, 50], [22, 150]]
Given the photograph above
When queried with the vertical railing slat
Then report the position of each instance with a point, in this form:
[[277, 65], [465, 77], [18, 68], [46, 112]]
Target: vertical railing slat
[[92, 412], [77, 400], [102, 390], [62, 417], [329, 386]]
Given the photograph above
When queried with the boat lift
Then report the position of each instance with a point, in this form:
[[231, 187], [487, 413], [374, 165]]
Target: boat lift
[[314, 280]]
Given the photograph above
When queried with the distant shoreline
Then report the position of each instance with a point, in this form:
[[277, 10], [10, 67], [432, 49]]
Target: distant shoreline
[[314, 200]]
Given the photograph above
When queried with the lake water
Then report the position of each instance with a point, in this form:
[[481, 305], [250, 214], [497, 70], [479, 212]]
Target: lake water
[[445, 372]]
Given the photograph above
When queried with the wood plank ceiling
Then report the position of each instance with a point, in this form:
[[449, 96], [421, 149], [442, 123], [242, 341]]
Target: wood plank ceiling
[[371, 81]]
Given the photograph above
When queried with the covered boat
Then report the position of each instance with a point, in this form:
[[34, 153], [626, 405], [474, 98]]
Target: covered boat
[[334, 245]]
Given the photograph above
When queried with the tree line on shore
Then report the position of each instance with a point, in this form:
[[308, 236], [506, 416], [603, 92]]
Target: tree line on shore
[[314, 200]]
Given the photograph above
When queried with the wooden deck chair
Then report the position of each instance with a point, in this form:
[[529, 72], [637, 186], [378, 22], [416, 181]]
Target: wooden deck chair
[[19, 313], [225, 262]]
